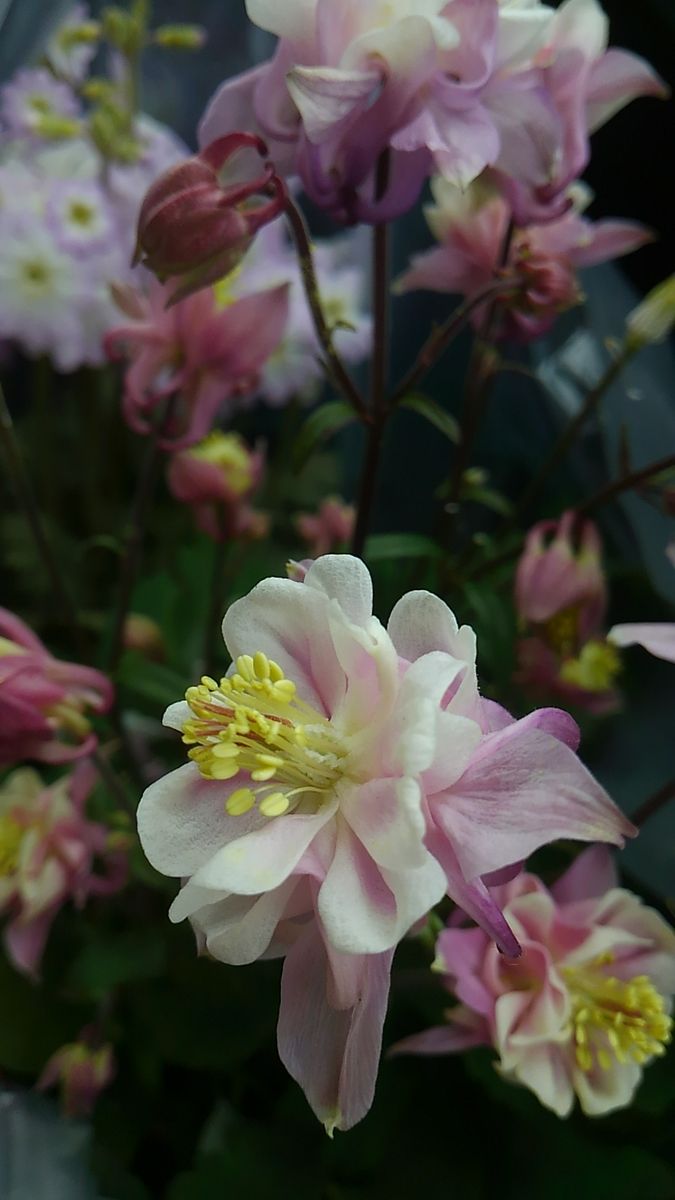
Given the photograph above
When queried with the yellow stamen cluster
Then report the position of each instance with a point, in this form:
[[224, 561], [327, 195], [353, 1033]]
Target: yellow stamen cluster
[[595, 669], [253, 722], [11, 834], [615, 1019], [230, 454], [561, 631]]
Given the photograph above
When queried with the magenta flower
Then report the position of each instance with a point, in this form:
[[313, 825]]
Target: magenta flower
[[351, 774], [561, 600], [330, 528], [471, 226], [195, 351], [193, 228], [584, 1009], [217, 478], [82, 1071], [48, 852], [43, 701]]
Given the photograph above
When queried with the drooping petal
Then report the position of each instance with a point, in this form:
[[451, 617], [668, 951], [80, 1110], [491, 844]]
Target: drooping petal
[[443, 1039], [25, 941], [332, 1053], [616, 79], [657, 638], [592, 873], [472, 896], [239, 930]]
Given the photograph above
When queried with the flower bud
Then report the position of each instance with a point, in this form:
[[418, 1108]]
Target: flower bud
[[195, 228], [215, 478], [144, 635], [654, 319], [180, 37], [560, 580], [330, 527]]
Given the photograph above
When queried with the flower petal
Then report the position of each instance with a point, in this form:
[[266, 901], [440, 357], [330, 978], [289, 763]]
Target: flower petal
[[657, 638]]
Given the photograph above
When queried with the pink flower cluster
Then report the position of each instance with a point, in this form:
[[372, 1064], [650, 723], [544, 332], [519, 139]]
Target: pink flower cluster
[[364, 99], [585, 1007], [48, 855], [343, 778]]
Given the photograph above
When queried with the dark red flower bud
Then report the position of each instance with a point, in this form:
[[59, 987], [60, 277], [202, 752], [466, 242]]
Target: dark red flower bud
[[195, 228]]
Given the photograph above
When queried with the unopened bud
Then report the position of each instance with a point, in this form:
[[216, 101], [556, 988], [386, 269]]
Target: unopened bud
[[180, 37], [654, 319], [143, 635], [56, 127], [196, 229]]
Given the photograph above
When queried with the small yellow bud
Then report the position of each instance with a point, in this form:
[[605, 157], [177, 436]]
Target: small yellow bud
[[653, 320], [180, 37]]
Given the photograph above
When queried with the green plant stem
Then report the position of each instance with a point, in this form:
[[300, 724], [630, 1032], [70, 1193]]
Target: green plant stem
[[379, 407], [443, 336], [569, 435], [333, 362], [215, 609], [654, 804]]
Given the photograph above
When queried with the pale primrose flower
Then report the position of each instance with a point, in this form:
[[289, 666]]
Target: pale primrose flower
[[471, 226], [197, 352], [48, 850], [43, 701], [35, 104], [82, 1070], [584, 1009], [358, 760], [329, 528], [80, 217], [561, 600], [216, 478]]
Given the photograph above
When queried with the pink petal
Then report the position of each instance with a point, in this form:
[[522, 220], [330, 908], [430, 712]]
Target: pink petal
[[472, 896], [611, 239], [616, 79], [443, 1039], [327, 97], [658, 639], [332, 1053], [386, 815], [25, 941], [592, 873], [524, 789]]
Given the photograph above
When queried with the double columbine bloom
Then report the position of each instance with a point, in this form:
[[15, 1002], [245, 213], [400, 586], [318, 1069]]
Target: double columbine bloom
[[587, 1005], [217, 478], [343, 778]]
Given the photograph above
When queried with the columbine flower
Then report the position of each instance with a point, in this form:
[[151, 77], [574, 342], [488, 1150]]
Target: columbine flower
[[195, 351], [48, 849], [472, 225], [584, 1009], [82, 1071], [561, 599], [193, 228], [359, 758], [80, 217], [36, 104], [329, 528], [216, 478], [43, 701]]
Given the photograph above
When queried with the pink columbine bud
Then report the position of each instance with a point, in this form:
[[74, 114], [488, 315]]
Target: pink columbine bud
[[216, 478], [144, 635], [547, 286], [44, 702], [329, 528], [195, 228], [560, 576], [83, 1071], [296, 571]]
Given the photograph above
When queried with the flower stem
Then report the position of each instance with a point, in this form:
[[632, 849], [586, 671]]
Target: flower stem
[[333, 362], [379, 407], [569, 434], [625, 484], [654, 804], [215, 610]]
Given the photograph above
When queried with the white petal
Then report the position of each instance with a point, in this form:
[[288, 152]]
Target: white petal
[[346, 579]]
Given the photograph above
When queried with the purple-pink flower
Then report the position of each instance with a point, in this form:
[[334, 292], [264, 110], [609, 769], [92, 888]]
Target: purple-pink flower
[[217, 478], [82, 1070], [329, 528], [561, 600], [587, 1005], [195, 354], [44, 702], [49, 852], [349, 774], [472, 226]]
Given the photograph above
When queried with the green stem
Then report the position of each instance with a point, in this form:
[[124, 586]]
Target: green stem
[[215, 611], [379, 408]]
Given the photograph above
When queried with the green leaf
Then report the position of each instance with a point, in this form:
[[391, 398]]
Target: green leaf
[[400, 545], [150, 681], [323, 423], [33, 1023], [432, 412], [489, 498], [111, 959]]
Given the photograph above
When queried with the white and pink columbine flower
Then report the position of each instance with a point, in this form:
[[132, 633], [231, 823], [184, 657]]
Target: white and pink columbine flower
[[48, 855], [584, 1009], [344, 776]]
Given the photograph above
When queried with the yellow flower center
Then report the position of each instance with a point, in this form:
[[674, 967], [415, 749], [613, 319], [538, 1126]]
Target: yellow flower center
[[35, 273], [614, 1018], [81, 213], [253, 723], [562, 630], [229, 453], [11, 834], [595, 669]]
